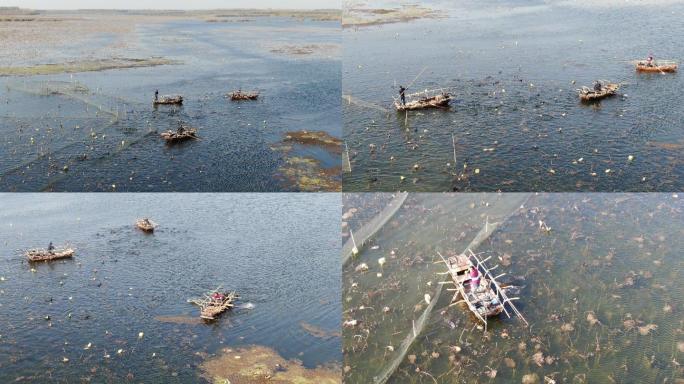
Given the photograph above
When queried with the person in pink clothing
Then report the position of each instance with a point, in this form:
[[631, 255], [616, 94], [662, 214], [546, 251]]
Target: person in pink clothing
[[474, 278]]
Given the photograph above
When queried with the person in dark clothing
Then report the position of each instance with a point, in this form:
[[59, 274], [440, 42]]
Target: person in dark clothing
[[50, 247], [402, 95], [156, 95], [597, 86]]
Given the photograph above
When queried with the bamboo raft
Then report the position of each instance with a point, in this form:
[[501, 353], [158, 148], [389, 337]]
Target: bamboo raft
[[660, 66], [181, 134], [168, 100], [587, 94], [435, 98], [490, 299], [210, 307], [239, 95], [146, 225], [45, 255]]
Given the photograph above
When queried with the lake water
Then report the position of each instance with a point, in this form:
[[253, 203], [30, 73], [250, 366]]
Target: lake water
[[103, 127], [602, 291], [517, 122], [280, 252]]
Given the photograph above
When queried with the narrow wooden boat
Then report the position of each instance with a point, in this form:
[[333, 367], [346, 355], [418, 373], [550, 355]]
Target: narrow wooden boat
[[168, 99], [215, 302], [145, 225], [45, 255], [489, 299], [642, 66], [239, 95], [181, 134], [424, 100], [587, 94]]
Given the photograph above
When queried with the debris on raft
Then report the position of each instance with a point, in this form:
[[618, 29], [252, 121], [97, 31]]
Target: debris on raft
[[48, 255], [607, 89], [214, 303], [145, 225], [435, 98], [239, 95], [168, 100], [183, 133]]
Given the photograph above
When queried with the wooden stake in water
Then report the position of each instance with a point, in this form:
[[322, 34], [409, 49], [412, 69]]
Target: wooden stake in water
[[348, 161], [453, 142], [355, 250]]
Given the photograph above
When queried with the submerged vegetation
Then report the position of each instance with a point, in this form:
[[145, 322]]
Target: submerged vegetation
[[84, 66], [261, 365], [361, 16], [300, 169], [597, 276]]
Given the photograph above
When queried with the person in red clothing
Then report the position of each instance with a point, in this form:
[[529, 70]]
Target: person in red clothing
[[474, 278]]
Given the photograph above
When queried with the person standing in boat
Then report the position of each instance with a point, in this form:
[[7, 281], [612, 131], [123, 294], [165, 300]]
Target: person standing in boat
[[474, 279], [649, 61], [402, 94], [51, 248], [156, 95], [597, 86]]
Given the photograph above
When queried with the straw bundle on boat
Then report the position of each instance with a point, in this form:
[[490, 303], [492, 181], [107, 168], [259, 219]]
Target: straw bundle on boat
[[48, 255], [168, 99], [181, 134], [240, 95], [587, 94], [145, 225], [214, 303]]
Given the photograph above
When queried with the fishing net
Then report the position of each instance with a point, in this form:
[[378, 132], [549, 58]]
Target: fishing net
[[392, 301], [76, 127]]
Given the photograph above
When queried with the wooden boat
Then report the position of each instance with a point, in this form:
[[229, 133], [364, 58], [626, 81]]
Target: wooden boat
[[490, 299], [45, 255], [660, 67], [587, 94], [181, 134], [239, 95], [211, 307], [145, 225], [169, 99], [422, 100]]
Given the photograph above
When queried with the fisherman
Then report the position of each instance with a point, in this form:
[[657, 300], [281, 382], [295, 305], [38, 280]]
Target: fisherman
[[649, 61], [597, 86], [474, 278], [156, 95], [402, 95], [51, 248], [217, 296]]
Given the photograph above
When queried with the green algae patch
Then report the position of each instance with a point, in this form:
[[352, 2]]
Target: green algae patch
[[318, 138], [306, 174], [84, 66], [261, 365]]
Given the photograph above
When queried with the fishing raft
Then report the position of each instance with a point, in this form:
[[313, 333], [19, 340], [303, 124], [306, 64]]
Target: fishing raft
[[490, 299], [45, 255], [660, 67], [587, 94], [435, 98], [181, 134], [146, 225], [239, 95], [168, 100], [211, 307]]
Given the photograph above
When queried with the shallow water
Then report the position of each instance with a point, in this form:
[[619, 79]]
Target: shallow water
[[279, 252], [116, 144], [616, 256], [516, 117]]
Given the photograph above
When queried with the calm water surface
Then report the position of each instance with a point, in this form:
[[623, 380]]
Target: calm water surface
[[279, 252]]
